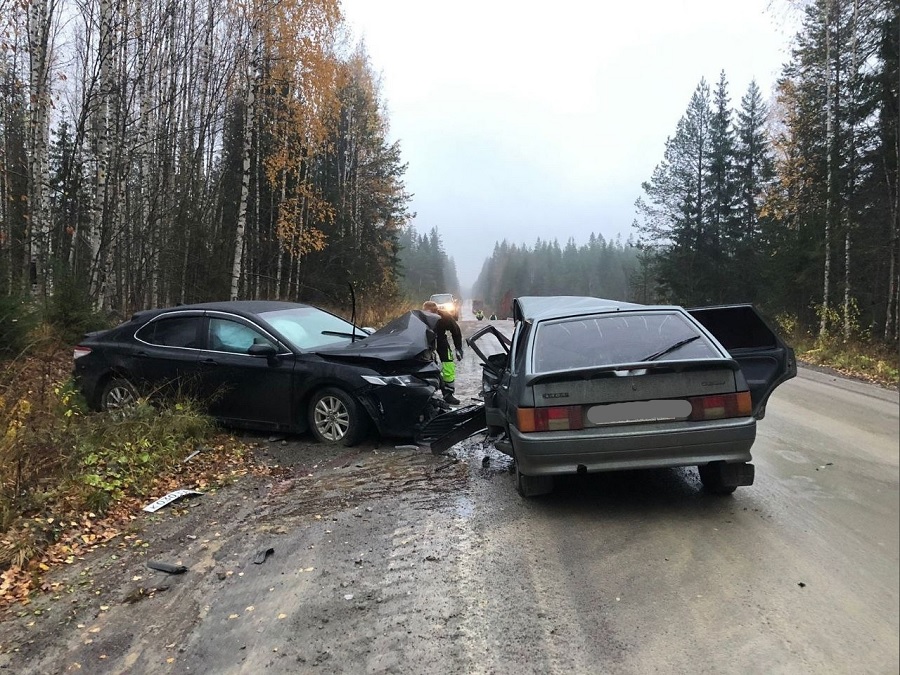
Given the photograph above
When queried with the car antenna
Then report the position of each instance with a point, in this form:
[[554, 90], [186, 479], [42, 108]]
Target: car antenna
[[352, 312]]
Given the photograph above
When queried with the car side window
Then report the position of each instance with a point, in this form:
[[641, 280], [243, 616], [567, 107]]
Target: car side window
[[176, 331], [233, 337], [520, 340]]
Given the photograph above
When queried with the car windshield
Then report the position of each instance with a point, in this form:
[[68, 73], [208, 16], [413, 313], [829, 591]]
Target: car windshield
[[604, 340], [442, 298], [310, 328]]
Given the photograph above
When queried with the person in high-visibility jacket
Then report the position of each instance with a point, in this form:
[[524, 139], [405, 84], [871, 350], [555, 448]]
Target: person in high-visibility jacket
[[448, 367]]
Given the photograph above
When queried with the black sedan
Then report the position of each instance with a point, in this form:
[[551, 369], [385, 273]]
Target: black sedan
[[271, 366]]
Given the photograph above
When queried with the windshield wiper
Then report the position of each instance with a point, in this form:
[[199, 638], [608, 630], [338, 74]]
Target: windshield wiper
[[670, 348], [335, 333]]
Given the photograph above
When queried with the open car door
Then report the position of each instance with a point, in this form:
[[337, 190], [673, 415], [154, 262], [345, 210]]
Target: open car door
[[493, 348], [765, 360]]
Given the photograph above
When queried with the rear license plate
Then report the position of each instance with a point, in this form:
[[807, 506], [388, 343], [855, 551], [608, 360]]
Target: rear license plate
[[634, 412]]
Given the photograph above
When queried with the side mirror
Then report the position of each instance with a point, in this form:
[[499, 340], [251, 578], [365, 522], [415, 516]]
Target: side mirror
[[262, 350], [368, 330]]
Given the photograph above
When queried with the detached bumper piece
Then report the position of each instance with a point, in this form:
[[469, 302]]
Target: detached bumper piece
[[445, 430]]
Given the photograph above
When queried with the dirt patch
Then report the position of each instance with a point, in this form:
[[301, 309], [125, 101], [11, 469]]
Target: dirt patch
[[109, 612]]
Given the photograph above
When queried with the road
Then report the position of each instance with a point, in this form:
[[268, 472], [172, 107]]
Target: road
[[390, 560]]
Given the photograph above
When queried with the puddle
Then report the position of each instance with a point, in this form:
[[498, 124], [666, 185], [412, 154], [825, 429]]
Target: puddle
[[484, 460]]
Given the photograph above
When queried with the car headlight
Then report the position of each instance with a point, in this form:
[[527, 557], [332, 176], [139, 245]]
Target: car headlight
[[398, 380]]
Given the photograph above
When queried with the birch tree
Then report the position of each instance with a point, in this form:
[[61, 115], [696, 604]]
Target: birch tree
[[40, 18]]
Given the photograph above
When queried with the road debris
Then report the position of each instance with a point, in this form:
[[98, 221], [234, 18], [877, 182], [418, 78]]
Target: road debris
[[168, 499], [262, 554], [166, 567]]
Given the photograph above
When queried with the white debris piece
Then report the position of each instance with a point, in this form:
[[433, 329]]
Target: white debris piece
[[168, 499]]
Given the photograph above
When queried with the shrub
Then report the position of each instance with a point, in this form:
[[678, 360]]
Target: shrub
[[16, 323]]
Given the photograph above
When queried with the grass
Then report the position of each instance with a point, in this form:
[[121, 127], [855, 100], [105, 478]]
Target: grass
[[860, 360]]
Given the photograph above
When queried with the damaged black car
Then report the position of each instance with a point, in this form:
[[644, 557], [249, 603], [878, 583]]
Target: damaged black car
[[270, 365]]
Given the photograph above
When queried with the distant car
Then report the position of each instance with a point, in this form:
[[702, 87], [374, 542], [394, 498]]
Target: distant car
[[589, 385], [447, 303], [271, 366]]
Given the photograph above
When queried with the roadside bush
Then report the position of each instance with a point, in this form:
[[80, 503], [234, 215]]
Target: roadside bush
[[16, 324], [58, 462], [70, 311]]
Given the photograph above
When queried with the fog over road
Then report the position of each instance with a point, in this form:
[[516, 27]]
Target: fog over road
[[392, 560]]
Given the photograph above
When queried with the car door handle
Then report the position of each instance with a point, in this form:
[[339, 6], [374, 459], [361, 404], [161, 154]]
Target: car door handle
[[209, 362]]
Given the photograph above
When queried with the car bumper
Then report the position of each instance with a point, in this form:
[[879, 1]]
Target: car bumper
[[642, 446], [88, 383], [398, 411]]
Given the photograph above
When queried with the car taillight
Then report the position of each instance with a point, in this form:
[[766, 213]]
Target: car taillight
[[560, 418], [80, 351], [721, 406]]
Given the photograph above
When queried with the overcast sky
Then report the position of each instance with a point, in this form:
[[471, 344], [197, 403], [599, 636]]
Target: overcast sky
[[522, 120]]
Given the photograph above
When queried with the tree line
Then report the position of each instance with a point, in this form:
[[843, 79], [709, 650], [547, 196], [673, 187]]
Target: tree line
[[792, 205], [156, 152], [424, 266], [600, 268]]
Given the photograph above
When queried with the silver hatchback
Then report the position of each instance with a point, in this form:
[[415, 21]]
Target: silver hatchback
[[586, 385]]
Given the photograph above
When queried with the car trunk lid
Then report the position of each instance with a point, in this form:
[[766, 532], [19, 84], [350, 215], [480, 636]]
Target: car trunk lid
[[765, 360]]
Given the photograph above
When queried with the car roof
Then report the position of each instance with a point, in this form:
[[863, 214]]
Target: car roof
[[536, 308], [240, 307]]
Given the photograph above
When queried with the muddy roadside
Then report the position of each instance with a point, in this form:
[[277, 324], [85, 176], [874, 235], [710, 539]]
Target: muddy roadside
[[340, 559], [268, 560]]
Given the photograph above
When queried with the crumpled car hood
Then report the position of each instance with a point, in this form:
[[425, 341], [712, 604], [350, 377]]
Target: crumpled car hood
[[403, 339]]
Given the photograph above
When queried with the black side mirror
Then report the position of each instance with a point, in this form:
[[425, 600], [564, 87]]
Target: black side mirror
[[262, 350]]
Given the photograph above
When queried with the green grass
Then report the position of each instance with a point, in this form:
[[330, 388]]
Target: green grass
[[865, 361]]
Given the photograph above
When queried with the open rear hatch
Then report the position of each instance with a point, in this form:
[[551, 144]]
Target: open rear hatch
[[765, 360]]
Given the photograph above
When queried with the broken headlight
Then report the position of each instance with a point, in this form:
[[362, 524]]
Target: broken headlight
[[398, 380]]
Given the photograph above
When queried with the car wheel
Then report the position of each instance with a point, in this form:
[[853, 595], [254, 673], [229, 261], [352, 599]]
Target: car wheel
[[336, 417], [532, 486], [711, 477], [117, 393]]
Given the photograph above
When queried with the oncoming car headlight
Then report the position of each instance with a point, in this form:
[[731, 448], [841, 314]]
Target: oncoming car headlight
[[398, 380]]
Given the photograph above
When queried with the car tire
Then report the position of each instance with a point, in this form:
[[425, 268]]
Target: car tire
[[336, 417], [117, 393], [711, 477], [532, 486]]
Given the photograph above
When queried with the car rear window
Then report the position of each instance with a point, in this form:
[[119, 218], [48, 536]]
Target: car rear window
[[604, 340], [179, 331]]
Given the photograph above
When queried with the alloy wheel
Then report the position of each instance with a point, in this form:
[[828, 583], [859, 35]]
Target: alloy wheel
[[331, 417]]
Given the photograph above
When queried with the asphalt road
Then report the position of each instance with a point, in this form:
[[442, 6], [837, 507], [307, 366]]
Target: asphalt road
[[392, 560], [644, 572]]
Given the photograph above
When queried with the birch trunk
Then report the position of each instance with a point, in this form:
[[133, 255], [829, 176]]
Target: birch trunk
[[97, 226], [249, 126], [829, 182], [38, 160], [851, 182]]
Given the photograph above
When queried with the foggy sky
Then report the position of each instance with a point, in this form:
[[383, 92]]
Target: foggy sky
[[521, 120]]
